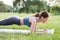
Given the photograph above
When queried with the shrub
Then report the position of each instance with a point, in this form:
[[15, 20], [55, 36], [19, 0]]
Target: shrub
[[55, 10]]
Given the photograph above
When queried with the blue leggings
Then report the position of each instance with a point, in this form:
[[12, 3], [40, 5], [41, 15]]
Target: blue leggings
[[11, 20]]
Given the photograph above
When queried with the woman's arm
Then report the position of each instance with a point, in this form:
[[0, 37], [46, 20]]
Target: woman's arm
[[33, 24]]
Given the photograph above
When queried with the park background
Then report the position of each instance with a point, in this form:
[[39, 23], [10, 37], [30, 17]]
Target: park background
[[24, 8]]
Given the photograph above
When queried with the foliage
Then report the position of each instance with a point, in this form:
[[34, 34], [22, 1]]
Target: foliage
[[55, 9], [4, 7], [33, 6]]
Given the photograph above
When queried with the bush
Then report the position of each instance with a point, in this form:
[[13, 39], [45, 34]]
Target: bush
[[4, 7], [55, 10], [48, 8], [33, 6]]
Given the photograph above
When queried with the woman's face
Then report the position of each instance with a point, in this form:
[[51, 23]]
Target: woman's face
[[42, 19]]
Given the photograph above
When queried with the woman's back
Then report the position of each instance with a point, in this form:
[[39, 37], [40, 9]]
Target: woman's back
[[27, 21]]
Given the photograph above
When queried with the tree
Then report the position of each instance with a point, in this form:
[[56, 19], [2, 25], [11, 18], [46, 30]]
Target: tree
[[32, 6], [55, 10], [4, 7], [19, 5]]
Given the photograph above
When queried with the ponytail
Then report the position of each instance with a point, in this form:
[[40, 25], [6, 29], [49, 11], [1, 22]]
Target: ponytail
[[36, 14], [43, 14]]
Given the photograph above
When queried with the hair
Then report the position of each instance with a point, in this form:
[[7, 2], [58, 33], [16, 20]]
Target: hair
[[43, 14]]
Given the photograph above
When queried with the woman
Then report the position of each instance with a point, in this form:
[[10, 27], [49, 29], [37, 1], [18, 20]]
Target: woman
[[30, 21]]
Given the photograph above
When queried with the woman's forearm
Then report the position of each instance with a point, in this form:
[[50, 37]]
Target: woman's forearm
[[32, 29]]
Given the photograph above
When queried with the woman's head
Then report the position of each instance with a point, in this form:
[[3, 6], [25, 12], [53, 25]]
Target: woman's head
[[43, 16]]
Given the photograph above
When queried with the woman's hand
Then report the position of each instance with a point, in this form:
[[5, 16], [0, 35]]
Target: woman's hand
[[41, 31]]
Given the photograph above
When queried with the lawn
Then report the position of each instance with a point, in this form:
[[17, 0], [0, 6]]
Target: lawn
[[53, 22]]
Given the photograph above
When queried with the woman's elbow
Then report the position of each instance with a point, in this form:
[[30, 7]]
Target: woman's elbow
[[32, 30]]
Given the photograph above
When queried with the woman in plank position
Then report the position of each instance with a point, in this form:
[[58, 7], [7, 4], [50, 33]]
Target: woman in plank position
[[30, 21]]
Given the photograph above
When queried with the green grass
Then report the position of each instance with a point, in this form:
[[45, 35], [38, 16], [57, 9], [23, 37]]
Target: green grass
[[53, 22]]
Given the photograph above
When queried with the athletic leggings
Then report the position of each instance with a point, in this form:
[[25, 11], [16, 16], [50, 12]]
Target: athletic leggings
[[10, 20]]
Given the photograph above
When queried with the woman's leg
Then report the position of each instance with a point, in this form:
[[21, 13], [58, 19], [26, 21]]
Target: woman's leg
[[10, 21]]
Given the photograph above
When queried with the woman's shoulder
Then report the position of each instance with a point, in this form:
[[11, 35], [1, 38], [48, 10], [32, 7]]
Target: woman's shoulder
[[32, 18]]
